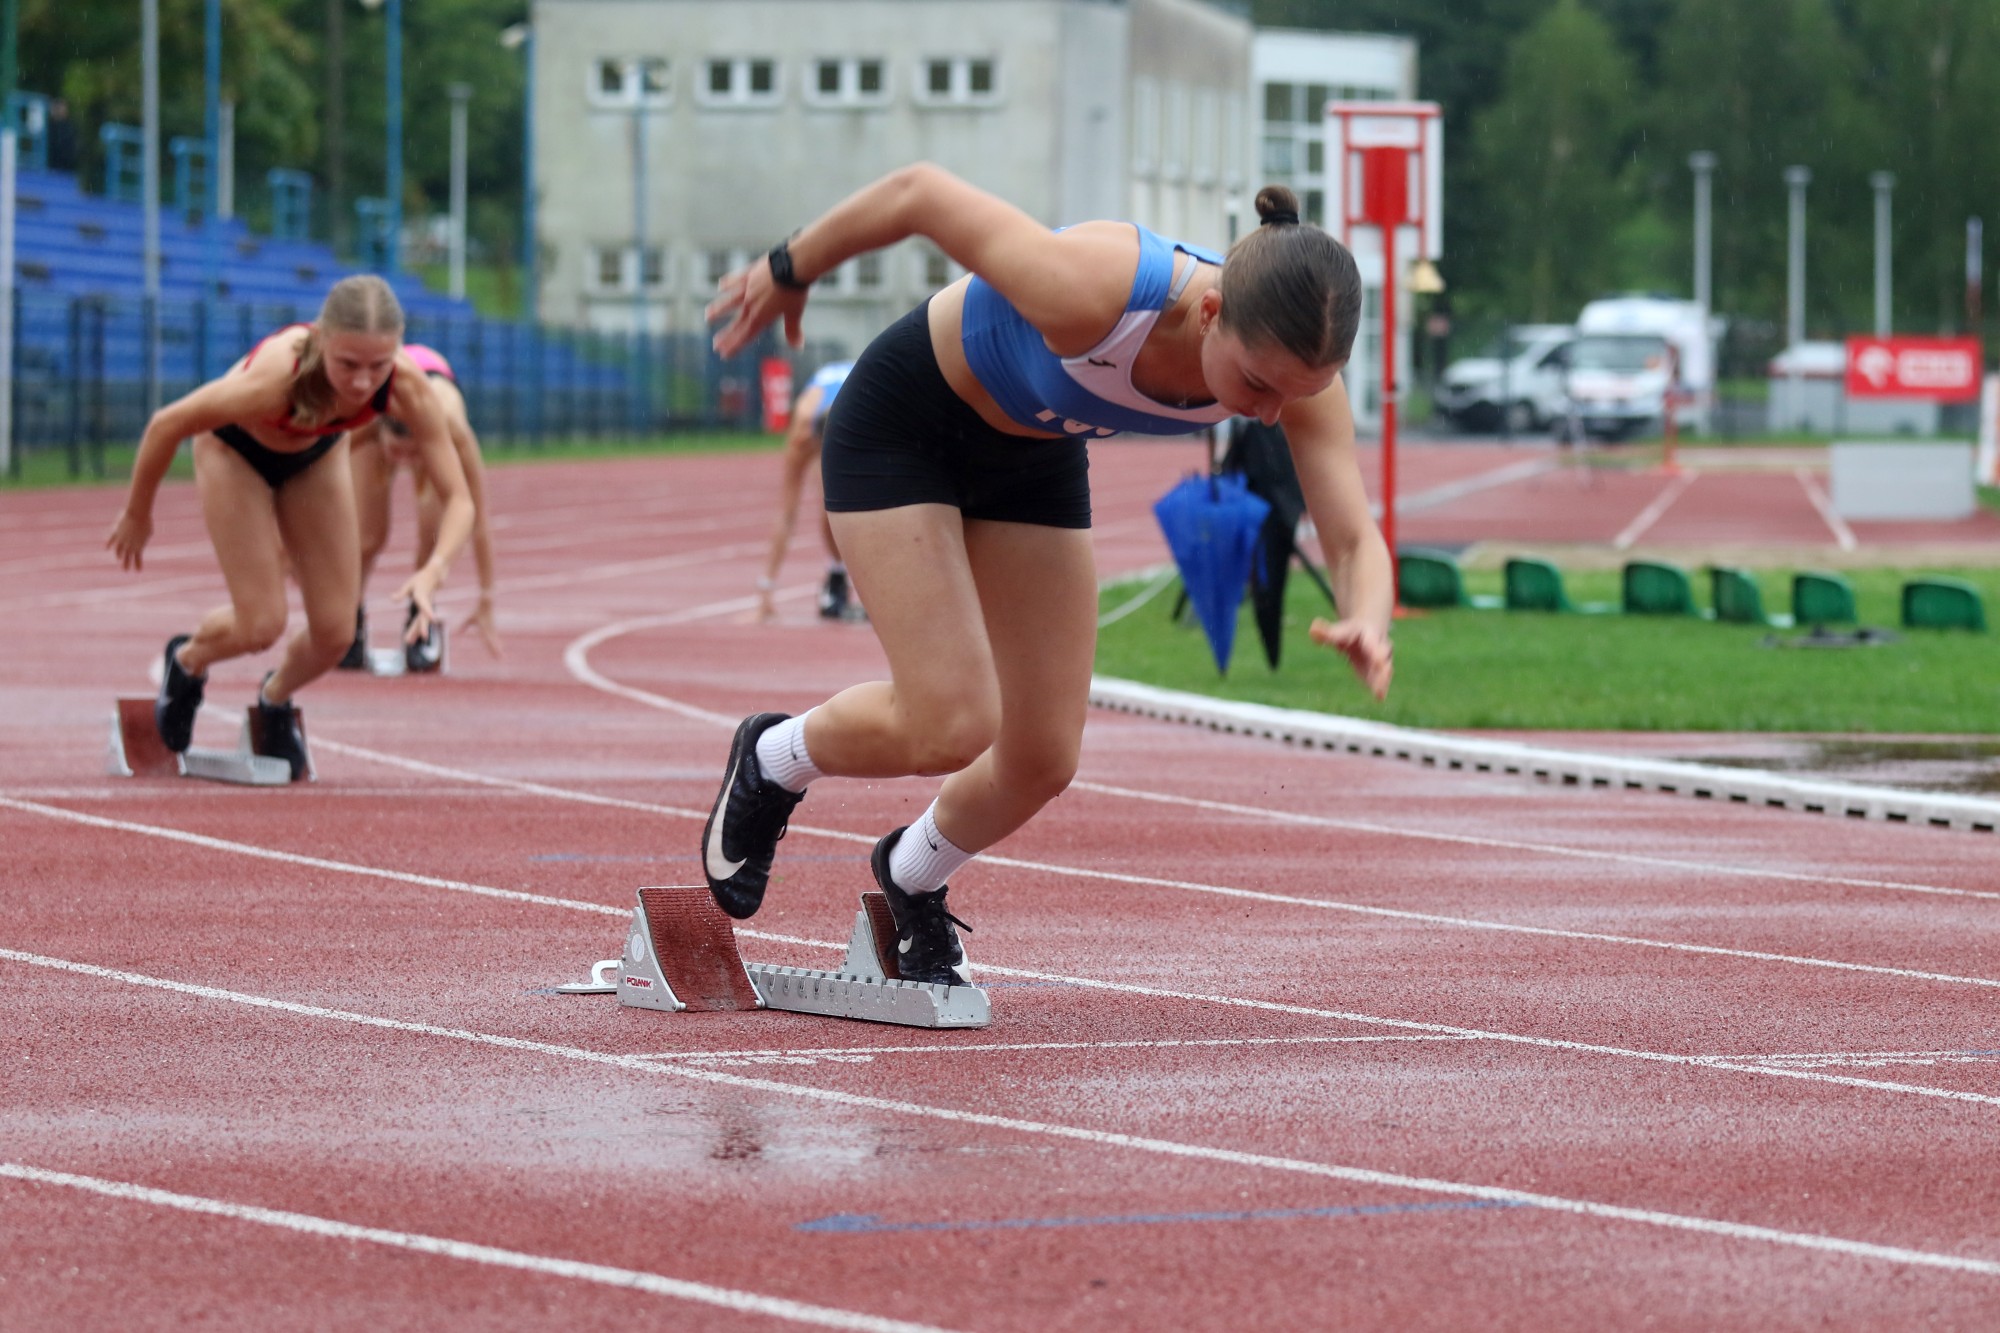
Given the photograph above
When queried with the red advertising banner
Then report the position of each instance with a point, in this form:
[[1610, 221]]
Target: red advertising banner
[[777, 384], [1946, 369]]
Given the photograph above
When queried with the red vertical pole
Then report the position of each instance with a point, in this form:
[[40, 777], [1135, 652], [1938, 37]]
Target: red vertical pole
[[1389, 406]]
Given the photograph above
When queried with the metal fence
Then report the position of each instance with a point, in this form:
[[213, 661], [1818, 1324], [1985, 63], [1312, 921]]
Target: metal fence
[[86, 369]]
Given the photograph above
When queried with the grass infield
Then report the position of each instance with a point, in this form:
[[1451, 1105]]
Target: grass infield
[[1529, 671]]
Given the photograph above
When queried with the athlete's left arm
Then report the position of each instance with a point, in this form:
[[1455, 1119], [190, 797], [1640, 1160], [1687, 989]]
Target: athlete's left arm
[[412, 402], [1320, 431]]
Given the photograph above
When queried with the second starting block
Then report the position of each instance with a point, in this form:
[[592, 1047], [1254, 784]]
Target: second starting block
[[136, 751], [680, 954]]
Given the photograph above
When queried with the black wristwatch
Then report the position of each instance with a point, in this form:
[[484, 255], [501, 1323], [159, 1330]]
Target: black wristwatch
[[781, 266]]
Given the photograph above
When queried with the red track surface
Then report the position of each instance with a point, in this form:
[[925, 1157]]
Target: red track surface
[[1282, 1039]]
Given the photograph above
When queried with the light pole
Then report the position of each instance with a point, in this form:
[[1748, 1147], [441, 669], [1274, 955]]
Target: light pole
[[1884, 182], [460, 94], [1703, 166], [522, 36], [642, 406], [149, 177], [1796, 180], [212, 129], [392, 96]]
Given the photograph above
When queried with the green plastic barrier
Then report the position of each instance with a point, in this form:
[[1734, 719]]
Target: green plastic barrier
[[1822, 599], [1735, 596], [1429, 579], [1942, 603], [1653, 588], [1534, 585]]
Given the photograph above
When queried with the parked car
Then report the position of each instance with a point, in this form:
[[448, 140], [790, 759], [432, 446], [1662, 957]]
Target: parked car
[[1516, 385], [1630, 351], [1616, 383]]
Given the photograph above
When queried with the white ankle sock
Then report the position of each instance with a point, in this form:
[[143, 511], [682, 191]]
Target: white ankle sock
[[781, 754], [924, 858]]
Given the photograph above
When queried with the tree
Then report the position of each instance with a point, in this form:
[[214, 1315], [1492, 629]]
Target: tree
[[1548, 157]]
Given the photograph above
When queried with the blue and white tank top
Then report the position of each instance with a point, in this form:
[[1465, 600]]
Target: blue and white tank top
[[1086, 396], [828, 379]]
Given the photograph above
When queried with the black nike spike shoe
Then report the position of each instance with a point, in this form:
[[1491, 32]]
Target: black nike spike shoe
[[927, 947], [279, 734], [180, 699], [356, 657], [748, 818], [427, 653]]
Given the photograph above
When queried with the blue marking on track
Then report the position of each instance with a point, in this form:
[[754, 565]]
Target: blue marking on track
[[852, 1224]]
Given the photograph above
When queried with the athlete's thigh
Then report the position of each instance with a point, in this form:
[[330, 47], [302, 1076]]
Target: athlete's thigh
[[1038, 590], [374, 477], [241, 514], [910, 568], [316, 515]]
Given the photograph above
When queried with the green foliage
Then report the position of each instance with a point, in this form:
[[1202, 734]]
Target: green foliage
[[1536, 671]]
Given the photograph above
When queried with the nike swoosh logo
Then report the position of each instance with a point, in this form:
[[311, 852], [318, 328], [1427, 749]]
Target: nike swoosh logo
[[902, 946], [1108, 365], [720, 867]]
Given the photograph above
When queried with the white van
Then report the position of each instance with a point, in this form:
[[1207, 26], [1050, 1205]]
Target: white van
[[1518, 384], [1629, 351]]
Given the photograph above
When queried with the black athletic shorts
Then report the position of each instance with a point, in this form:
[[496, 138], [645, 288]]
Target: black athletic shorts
[[275, 468], [897, 435]]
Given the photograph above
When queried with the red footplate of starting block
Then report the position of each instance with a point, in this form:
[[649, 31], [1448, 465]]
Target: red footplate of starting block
[[138, 742], [695, 942]]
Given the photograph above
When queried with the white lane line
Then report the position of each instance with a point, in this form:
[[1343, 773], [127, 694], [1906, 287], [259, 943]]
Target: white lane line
[[577, 658], [1653, 512], [1841, 532], [1161, 580], [1098, 1138], [988, 1048], [1195, 886], [1549, 849], [207, 843], [655, 1284], [1872, 1059], [1123, 988], [1446, 492]]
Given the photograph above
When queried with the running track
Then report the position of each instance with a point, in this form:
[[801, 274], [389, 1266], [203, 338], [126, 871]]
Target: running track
[[1282, 1039]]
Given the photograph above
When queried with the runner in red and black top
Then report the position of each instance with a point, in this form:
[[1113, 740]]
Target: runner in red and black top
[[270, 461], [375, 452]]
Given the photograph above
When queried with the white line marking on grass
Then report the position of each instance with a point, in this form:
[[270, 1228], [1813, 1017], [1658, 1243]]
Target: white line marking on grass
[[1123, 988], [1841, 532], [1653, 512], [655, 1284], [1074, 1133]]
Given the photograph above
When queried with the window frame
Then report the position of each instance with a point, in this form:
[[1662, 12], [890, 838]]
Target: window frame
[[740, 96], [849, 95], [631, 79], [960, 92]]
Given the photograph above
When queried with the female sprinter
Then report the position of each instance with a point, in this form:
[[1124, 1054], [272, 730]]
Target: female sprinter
[[802, 442], [270, 462], [956, 475], [375, 451]]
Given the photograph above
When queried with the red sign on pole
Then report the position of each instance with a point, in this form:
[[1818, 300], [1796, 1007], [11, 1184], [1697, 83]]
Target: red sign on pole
[[776, 377], [1946, 369]]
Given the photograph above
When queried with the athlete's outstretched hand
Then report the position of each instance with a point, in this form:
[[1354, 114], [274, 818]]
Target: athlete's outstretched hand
[[750, 298], [1367, 647], [128, 539], [481, 619], [420, 589]]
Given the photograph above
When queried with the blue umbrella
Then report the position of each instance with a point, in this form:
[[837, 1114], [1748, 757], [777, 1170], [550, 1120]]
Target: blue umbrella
[[1211, 526]]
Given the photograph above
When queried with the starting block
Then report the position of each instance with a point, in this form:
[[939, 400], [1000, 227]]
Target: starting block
[[136, 751], [680, 954], [429, 656]]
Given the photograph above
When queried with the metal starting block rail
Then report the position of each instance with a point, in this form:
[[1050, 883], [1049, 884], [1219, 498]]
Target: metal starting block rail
[[136, 751], [680, 954]]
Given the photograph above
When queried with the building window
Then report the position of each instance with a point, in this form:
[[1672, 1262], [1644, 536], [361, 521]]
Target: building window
[[864, 276], [608, 268], [849, 81], [1203, 147], [1145, 126], [719, 264], [959, 80], [939, 270], [622, 82], [749, 81], [614, 268]]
